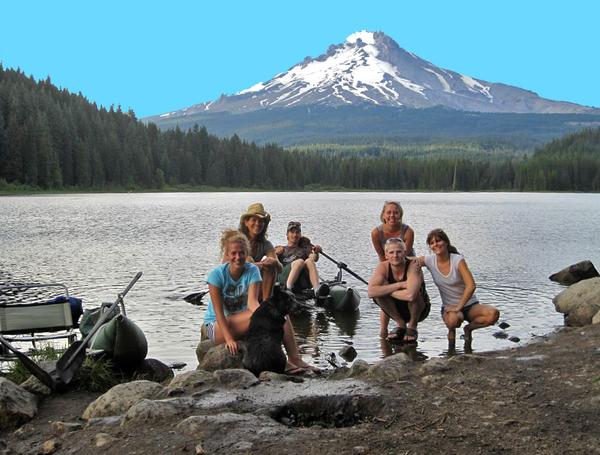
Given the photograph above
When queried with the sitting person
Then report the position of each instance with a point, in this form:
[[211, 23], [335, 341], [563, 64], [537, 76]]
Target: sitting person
[[456, 285], [254, 224], [396, 286], [299, 259], [233, 288]]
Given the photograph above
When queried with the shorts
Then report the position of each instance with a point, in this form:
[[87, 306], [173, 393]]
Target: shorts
[[465, 311], [207, 331], [402, 306], [303, 281]]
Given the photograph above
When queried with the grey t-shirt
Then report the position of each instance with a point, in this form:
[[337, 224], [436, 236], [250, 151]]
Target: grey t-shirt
[[262, 248], [291, 253], [451, 286]]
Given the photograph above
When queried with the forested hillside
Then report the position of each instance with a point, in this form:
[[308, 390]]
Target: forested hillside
[[53, 139]]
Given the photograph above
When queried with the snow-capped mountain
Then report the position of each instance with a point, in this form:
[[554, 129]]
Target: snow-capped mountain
[[369, 68]]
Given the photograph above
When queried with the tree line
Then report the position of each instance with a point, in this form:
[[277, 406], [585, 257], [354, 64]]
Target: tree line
[[53, 139]]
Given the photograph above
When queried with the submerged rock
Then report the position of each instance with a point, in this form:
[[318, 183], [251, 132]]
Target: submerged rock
[[580, 302], [575, 273], [501, 334], [17, 405], [504, 325], [348, 353]]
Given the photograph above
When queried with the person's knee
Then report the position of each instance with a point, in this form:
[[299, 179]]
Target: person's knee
[[452, 321], [494, 316]]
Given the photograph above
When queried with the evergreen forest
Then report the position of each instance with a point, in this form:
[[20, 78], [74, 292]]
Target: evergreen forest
[[51, 139]]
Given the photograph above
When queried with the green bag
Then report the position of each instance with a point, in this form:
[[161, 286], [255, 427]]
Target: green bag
[[90, 317]]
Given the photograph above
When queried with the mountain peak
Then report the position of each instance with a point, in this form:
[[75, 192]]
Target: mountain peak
[[369, 68]]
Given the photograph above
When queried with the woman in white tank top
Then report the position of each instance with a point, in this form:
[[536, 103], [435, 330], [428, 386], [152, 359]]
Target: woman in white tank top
[[456, 285]]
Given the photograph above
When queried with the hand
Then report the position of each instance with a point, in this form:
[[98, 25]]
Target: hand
[[232, 345], [317, 249], [278, 250], [453, 309]]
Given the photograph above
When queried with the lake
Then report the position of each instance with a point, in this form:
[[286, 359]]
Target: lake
[[95, 243]]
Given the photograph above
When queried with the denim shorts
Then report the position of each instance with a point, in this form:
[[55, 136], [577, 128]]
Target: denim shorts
[[207, 331]]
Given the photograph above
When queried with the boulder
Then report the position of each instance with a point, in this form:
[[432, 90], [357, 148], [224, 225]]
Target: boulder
[[575, 273], [219, 358], [191, 381], [596, 318], [202, 348], [390, 369], [17, 405], [348, 353], [579, 302], [359, 368], [155, 410], [122, 397], [435, 365], [35, 386], [236, 378]]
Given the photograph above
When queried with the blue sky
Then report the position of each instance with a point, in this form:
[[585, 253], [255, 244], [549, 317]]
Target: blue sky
[[156, 56]]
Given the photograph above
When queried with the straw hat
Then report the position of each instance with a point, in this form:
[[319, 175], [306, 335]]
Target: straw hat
[[257, 210]]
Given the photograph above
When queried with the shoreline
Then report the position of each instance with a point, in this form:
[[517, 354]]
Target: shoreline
[[543, 395]]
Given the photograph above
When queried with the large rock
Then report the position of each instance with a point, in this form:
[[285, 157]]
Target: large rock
[[580, 302], [17, 405], [35, 386], [390, 369], [155, 410], [122, 397], [219, 358], [192, 381], [575, 273], [236, 378]]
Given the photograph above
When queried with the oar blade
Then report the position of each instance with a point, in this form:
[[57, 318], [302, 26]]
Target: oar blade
[[33, 367]]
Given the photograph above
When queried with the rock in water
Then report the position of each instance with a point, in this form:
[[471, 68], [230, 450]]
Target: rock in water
[[500, 334], [514, 339], [348, 353], [575, 273], [580, 302], [504, 325]]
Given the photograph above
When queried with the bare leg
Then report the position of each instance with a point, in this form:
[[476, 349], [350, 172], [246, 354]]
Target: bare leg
[[313, 274], [289, 342], [415, 308], [295, 270], [384, 321], [479, 316], [453, 320], [238, 325]]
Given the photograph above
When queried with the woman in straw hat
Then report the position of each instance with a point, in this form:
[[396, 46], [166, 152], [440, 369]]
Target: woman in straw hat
[[254, 224]]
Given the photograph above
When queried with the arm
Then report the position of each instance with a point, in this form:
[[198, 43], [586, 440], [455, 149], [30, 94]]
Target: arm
[[409, 238], [253, 296], [270, 260], [414, 279], [378, 286], [377, 244], [217, 301], [469, 281], [316, 249]]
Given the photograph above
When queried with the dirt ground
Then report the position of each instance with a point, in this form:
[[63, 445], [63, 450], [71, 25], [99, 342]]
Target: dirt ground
[[543, 398]]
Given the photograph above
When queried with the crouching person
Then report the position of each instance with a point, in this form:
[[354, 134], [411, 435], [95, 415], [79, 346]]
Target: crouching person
[[396, 286]]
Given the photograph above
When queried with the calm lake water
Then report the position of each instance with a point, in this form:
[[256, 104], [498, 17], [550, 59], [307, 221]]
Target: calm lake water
[[95, 243]]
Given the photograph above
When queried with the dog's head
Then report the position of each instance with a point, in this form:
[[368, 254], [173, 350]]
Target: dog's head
[[282, 300]]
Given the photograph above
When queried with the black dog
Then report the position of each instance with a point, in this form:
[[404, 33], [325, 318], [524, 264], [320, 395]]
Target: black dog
[[265, 334]]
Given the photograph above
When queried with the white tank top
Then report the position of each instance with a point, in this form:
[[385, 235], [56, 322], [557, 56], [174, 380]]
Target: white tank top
[[451, 286]]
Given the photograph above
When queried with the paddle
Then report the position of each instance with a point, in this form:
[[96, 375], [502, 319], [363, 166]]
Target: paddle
[[195, 298], [70, 362], [343, 266], [33, 367]]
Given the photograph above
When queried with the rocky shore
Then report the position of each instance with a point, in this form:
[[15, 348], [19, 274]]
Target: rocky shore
[[540, 398]]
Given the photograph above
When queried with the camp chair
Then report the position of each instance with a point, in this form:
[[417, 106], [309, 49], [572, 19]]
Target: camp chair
[[37, 321]]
